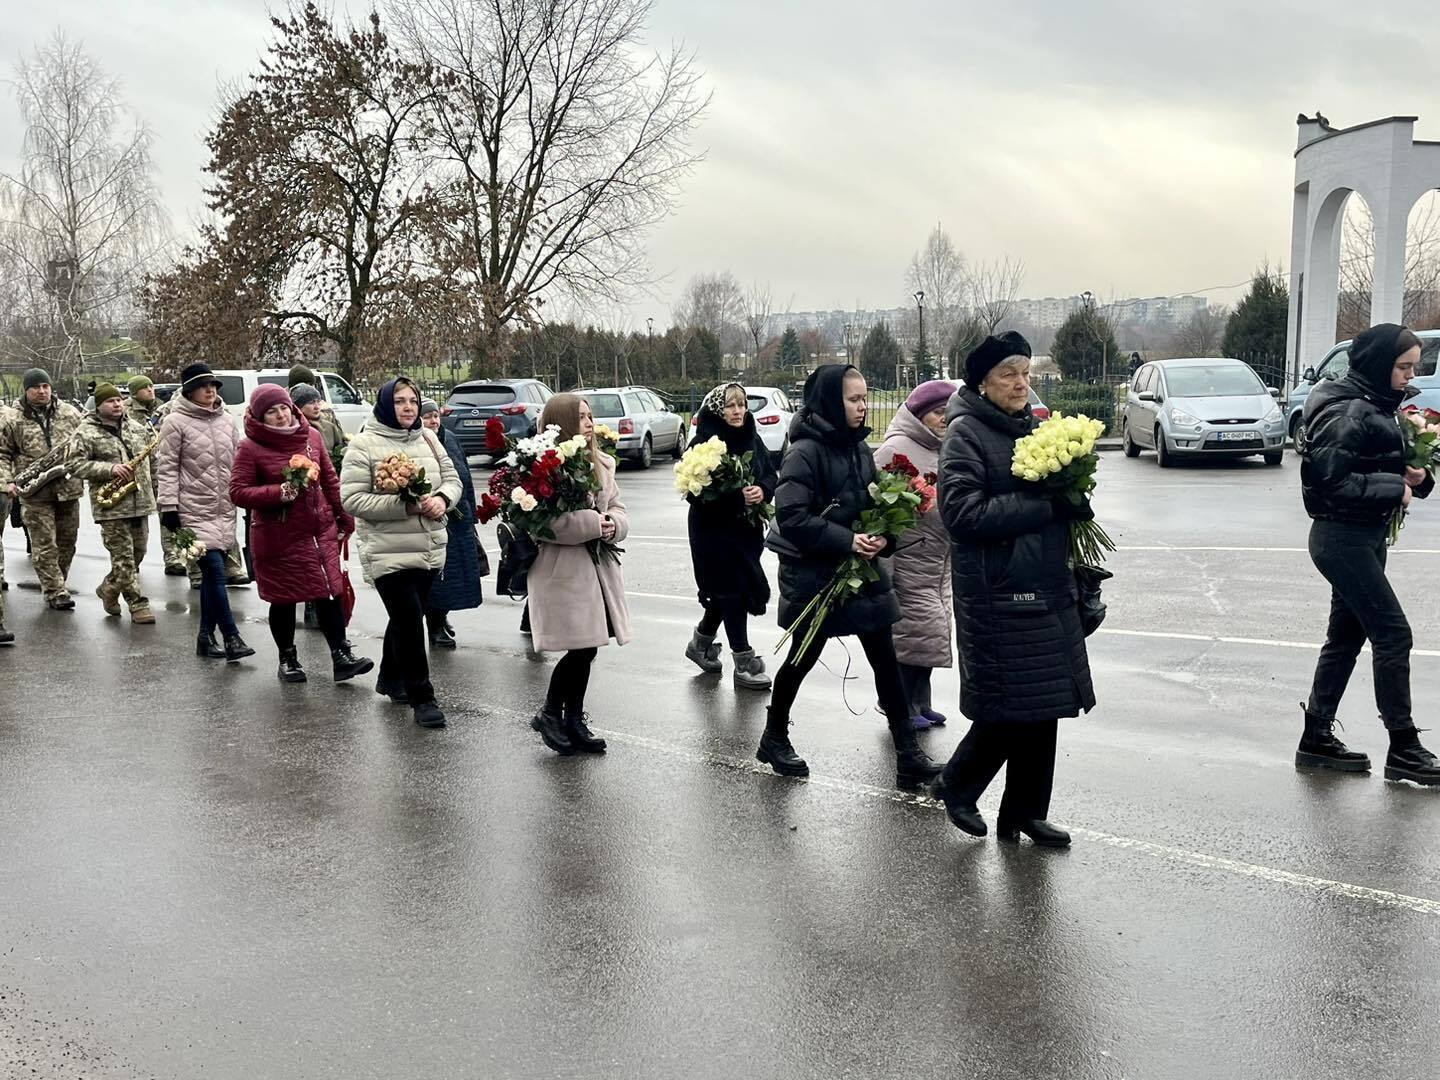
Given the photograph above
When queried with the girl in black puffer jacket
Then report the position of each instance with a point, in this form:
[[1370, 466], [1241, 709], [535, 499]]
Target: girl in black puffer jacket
[[1354, 477], [1023, 663], [823, 490]]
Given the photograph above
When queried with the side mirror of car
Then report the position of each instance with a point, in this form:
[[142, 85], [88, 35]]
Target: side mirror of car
[[1146, 395], [1274, 392], [1308, 375]]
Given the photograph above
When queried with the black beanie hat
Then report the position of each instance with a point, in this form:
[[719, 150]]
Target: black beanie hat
[[194, 377], [992, 352]]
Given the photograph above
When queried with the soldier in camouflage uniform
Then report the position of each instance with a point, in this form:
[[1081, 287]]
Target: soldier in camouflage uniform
[[52, 514], [108, 439], [146, 408], [7, 416], [234, 563]]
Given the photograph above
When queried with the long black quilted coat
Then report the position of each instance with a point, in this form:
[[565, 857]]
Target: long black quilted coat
[[1022, 650]]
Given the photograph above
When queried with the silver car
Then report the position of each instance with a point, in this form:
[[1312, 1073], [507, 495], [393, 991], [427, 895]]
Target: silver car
[[645, 425], [1207, 407]]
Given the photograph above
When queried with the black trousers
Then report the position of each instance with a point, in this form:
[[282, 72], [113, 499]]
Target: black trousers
[[1027, 750], [570, 680], [879, 646], [916, 681], [328, 612], [404, 662], [1362, 606], [732, 612]]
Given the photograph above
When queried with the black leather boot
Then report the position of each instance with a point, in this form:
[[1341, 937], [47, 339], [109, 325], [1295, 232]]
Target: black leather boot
[[396, 692], [236, 649], [208, 647], [775, 749], [553, 730], [965, 816], [347, 665], [1408, 760], [1042, 832], [290, 669], [1320, 749], [913, 766], [428, 715], [579, 733]]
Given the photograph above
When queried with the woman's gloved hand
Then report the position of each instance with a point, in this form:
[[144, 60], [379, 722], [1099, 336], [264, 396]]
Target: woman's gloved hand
[[170, 519], [1066, 510]]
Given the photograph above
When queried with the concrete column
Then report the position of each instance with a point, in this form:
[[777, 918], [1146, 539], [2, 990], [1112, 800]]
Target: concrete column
[[1391, 220], [1322, 279]]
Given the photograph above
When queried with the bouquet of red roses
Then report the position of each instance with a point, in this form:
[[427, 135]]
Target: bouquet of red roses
[[540, 479], [899, 495]]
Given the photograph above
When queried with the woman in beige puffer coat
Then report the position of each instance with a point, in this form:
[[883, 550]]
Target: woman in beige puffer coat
[[402, 543]]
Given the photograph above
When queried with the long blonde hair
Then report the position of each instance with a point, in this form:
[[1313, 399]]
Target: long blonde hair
[[563, 410]]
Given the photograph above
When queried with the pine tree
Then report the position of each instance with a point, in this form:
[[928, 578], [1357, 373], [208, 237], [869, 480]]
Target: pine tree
[[880, 354], [1256, 330], [792, 356], [1085, 346]]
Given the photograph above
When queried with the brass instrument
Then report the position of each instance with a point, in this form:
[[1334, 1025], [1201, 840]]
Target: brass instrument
[[45, 470], [111, 493]]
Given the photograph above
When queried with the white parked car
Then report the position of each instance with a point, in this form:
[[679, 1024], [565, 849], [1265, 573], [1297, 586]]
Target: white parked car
[[773, 412], [237, 384]]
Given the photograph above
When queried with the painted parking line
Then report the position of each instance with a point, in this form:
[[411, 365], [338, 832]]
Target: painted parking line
[[1201, 860]]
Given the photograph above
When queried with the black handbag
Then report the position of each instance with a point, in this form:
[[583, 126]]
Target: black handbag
[[482, 556], [517, 555], [1092, 607]]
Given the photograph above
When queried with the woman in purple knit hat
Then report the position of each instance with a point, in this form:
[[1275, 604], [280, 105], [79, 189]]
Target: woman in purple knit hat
[[921, 563]]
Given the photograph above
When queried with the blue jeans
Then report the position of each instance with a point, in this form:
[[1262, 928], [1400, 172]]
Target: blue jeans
[[214, 604]]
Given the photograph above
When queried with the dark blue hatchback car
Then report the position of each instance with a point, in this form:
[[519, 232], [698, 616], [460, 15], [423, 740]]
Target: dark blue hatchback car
[[517, 402]]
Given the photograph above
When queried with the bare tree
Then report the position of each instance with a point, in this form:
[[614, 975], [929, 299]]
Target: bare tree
[[992, 289], [938, 269], [1357, 265], [714, 302], [567, 144], [758, 305], [1202, 333], [79, 220]]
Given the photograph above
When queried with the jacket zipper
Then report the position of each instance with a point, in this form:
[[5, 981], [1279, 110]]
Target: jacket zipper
[[323, 571]]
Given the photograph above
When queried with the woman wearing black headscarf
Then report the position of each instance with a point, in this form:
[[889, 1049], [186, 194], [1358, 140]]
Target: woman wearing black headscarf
[[402, 542], [1354, 478], [822, 492], [726, 541]]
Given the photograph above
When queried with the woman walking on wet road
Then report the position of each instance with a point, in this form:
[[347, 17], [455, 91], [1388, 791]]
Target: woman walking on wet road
[[922, 558], [1023, 664], [1354, 478], [726, 542], [823, 489], [577, 601], [457, 586]]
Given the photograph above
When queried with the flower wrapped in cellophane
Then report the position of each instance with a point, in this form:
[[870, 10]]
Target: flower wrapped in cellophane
[[1060, 456]]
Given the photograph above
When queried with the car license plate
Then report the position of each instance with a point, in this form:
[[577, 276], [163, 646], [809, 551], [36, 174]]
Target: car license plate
[[473, 423], [1235, 436]]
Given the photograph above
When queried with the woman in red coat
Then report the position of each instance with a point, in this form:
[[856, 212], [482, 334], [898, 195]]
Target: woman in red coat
[[295, 528]]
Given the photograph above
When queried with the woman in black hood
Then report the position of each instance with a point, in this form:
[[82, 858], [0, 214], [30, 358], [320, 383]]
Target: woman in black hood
[[1354, 476], [822, 492], [725, 542]]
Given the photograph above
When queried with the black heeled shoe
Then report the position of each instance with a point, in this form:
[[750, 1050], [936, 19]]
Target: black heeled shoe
[[236, 649], [208, 647], [1040, 831], [964, 816]]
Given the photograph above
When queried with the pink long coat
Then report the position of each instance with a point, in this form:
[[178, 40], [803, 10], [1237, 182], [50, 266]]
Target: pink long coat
[[297, 558], [575, 604], [197, 449]]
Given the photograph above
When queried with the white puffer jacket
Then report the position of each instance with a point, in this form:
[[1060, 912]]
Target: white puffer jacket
[[197, 449], [390, 537]]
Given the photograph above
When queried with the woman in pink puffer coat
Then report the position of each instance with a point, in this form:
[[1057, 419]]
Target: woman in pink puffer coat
[[295, 531], [197, 448]]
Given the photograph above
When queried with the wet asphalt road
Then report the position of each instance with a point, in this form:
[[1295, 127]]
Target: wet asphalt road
[[205, 873]]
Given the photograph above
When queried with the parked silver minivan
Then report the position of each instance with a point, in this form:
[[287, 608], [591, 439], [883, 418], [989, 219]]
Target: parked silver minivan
[[1202, 407]]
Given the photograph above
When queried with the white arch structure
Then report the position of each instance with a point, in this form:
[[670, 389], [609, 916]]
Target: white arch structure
[[1384, 163]]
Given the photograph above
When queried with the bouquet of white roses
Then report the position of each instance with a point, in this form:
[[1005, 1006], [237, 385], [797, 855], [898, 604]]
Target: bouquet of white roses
[[1060, 456]]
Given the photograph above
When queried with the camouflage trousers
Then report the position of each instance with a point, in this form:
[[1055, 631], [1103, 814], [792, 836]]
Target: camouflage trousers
[[52, 527], [125, 539]]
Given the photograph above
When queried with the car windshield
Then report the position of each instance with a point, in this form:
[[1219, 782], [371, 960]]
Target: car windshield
[[605, 405], [1213, 380], [755, 403], [480, 396]]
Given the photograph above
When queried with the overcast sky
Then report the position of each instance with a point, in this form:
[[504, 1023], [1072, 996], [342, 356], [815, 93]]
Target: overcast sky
[[1121, 146]]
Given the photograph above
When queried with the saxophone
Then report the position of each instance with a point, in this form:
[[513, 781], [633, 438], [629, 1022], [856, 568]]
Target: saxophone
[[111, 493], [45, 470]]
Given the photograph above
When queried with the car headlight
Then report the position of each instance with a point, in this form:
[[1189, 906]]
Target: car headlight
[[1183, 418], [1274, 416]]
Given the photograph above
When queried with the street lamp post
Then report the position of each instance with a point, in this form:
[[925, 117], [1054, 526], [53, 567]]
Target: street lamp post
[[1088, 299], [920, 348]]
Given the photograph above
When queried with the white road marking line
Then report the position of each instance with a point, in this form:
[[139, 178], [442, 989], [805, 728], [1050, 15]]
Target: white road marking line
[[1203, 860], [1178, 548]]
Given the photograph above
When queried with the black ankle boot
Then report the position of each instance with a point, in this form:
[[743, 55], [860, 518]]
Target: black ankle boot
[[775, 749], [965, 816], [1041, 832], [1408, 760], [347, 665], [913, 767], [579, 733], [1320, 749], [553, 730], [208, 647], [236, 649], [290, 669], [396, 692]]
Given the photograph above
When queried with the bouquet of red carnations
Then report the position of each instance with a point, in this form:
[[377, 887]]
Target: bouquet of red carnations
[[899, 495], [1420, 432], [540, 479]]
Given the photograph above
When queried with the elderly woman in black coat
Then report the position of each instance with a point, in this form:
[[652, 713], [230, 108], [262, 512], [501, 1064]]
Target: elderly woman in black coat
[[1354, 476], [1023, 664], [822, 492], [726, 540]]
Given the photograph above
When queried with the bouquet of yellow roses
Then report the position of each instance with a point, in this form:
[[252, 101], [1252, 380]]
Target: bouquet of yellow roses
[[1060, 456], [708, 470]]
